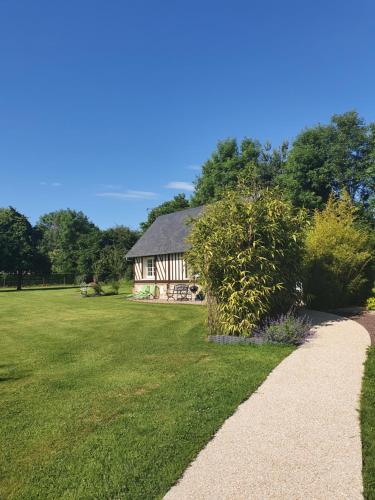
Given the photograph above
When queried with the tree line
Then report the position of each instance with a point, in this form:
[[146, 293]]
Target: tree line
[[322, 160], [325, 159], [63, 241]]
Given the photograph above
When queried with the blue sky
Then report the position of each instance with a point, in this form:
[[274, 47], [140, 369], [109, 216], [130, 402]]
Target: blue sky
[[110, 107]]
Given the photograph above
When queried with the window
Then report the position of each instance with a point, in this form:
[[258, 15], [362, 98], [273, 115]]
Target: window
[[150, 267]]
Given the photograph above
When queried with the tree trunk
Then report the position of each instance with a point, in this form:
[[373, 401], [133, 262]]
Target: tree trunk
[[212, 323], [19, 280]]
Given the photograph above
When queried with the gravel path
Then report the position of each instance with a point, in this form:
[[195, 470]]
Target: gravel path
[[298, 436], [367, 319]]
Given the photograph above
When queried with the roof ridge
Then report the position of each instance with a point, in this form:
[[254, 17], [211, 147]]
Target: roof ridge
[[179, 211]]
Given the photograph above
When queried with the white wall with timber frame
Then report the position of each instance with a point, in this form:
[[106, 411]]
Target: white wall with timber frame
[[167, 268]]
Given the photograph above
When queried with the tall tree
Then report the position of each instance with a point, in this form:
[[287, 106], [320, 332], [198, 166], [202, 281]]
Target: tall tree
[[179, 202], [110, 265], [251, 164], [220, 172], [332, 158], [265, 170], [18, 245], [70, 240], [121, 237], [115, 242], [88, 252]]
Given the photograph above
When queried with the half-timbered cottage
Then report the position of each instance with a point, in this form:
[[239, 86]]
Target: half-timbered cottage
[[158, 256]]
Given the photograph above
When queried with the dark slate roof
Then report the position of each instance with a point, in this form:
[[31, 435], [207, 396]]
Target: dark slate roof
[[166, 235]]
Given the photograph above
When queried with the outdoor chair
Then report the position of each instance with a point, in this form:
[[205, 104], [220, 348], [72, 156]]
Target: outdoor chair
[[144, 293], [179, 292]]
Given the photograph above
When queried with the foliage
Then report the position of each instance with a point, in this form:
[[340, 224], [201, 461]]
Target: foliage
[[111, 264], [95, 287], [114, 287], [370, 304], [18, 245], [286, 329], [70, 240], [88, 251], [179, 202], [368, 426], [338, 257], [334, 158], [109, 398], [247, 250], [76, 245], [323, 159], [120, 237], [115, 243], [111, 288], [229, 165], [66, 241]]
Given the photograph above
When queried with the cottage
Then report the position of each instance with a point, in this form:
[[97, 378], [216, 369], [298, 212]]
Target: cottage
[[158, 255]]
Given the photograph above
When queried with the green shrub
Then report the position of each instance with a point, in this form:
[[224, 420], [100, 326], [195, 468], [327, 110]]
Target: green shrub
[[95, 287], [371, 304], [111, 265], [114, 287], [247, 251], [338, 258]]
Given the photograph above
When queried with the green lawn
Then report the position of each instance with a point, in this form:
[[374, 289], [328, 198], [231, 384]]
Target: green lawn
[[368, 426], [104, 398]]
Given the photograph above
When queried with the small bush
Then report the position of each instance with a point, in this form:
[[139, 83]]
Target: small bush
[[112, 288], [96, 287], [338, 259], [286, 329], [371, 304]]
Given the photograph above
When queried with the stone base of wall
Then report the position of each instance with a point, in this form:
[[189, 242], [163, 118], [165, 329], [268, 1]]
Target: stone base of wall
[[231, 339], [162, 288]]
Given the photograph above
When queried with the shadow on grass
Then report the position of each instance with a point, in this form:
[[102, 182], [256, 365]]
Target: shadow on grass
[[39, 289], [10, 373]]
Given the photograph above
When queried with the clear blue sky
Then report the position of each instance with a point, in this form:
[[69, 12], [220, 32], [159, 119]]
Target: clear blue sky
[[103, 104]]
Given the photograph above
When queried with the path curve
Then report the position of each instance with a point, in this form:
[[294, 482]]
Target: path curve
[[298, 436]]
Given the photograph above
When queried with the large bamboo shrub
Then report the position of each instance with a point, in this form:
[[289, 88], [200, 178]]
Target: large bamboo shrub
[[247, 250], [338, 259]]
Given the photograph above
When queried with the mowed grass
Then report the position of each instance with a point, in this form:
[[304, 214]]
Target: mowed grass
[[106, 398], [368, 426]]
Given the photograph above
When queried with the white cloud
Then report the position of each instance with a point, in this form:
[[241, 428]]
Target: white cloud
[[111, 186], [129, 194], [185, 186], [53, 184], [194, 167]]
